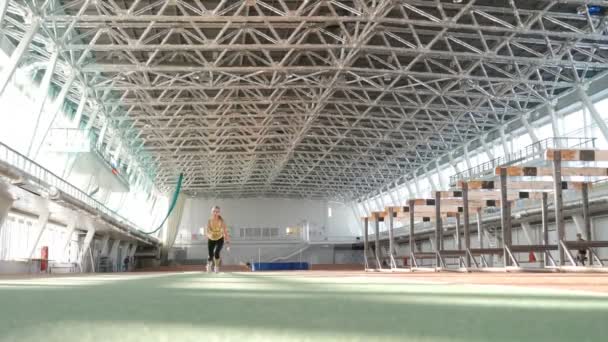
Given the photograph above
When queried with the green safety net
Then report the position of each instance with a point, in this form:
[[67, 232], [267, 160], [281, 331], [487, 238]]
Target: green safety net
[[178, 188]]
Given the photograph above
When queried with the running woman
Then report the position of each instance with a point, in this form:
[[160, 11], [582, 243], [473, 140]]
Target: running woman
[[217, 235]]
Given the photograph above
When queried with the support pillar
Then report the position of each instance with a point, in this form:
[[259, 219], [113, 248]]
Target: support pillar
[[113, 256], [81, 104], [458, 241], [545, 223], [438, 227], [479, 227], [391, 239], [70, 232], [467, 160], [91, 121], [102, 135], [412, 237], [453, 163], [394, 200], [484, 144], [417, 185], [529, 129], [505, 216], [368, 211], [466, 222], [558, 204], [410, 193], [505, 145], [595, 115], [86, 245], [43, 92], [377, 252], [6, 202], [431, 181], [357, 215], [43, 219], [105, 246], [555, 126], [9, 69], [366, 240], [587, 218], [132, 256], [441, 182]]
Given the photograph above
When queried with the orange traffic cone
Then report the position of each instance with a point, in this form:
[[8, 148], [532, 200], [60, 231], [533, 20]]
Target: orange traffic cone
[[532, 257]]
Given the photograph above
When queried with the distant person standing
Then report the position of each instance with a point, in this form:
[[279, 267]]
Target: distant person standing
[[582, 253], [217, 235]]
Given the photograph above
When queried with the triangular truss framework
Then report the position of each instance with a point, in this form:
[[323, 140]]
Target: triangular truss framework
[[315, 99]]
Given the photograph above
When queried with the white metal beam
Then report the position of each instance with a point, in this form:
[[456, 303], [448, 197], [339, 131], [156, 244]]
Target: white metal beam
[[9, 69]]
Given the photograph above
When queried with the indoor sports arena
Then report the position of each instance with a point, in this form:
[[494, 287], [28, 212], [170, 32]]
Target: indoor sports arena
[[303, 170]]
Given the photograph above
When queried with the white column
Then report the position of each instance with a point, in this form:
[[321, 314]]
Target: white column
[[70, 232], [357, 215], [417, 186], [43, 219], [410, 193], [467, 160], [9, 69], [489, 153], [554, 124], [453, 163], [81, 104], [132, 256], [530, 129], [6, 202], [102, 135], [43, 92], [428, 176], [105, 245], [400, 199], [503, 139], [91, 121], [379, 203], [133, 250], [114, 254], [366, 207], [595, 115], [441, 182], [394, 200], [87, 244]]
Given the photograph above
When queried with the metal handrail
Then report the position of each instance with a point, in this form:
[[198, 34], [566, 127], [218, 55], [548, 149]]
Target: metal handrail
[[530, 151], [45, 178]]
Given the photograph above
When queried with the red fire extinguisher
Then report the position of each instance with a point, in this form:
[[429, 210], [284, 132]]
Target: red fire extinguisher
[[44, 258]]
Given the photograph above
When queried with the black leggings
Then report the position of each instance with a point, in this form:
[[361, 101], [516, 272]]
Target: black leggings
[[215, 247]]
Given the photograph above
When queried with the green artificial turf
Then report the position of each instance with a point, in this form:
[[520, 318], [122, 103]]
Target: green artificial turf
[[287, 307]]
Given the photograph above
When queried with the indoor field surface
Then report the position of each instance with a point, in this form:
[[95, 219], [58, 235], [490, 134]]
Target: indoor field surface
[[304, 306]]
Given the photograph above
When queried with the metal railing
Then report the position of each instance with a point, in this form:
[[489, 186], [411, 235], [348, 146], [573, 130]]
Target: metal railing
[[183, 239], [43, 178], [530, 152], [187, 239]]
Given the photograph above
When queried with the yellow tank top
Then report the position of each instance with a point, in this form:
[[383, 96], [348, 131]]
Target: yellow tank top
[[215, 229]]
